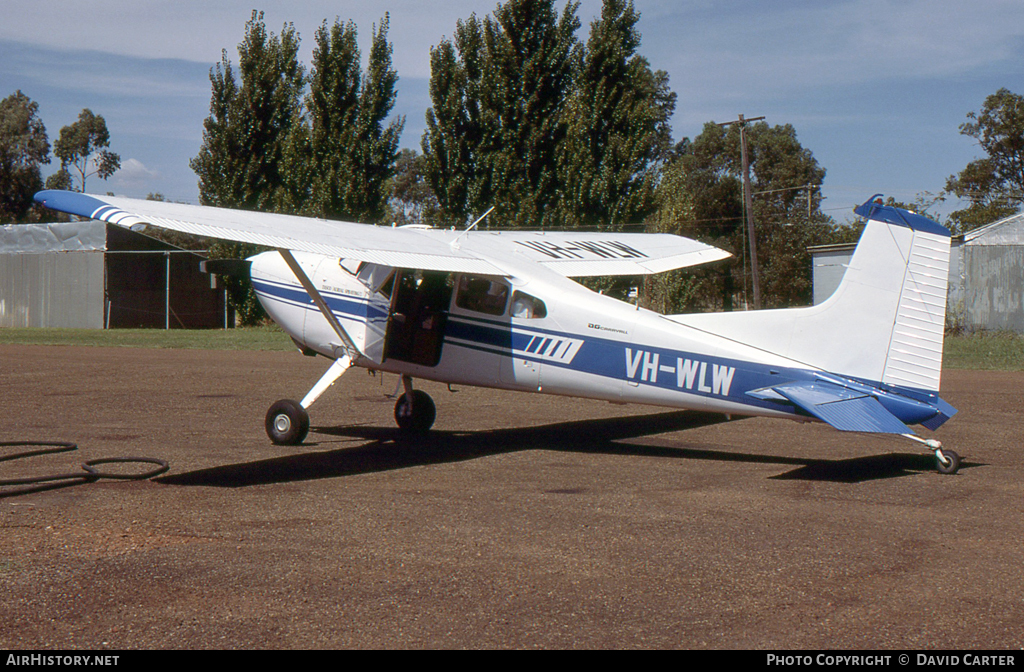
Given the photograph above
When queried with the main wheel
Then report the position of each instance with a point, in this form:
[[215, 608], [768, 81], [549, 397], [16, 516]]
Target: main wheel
[[420, 418], [287, 422], [951, 465]]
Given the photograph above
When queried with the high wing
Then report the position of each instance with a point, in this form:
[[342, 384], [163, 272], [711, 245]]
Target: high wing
[[571, 254], [388, 246]]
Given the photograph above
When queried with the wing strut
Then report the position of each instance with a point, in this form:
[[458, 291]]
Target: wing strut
[[350, 347]]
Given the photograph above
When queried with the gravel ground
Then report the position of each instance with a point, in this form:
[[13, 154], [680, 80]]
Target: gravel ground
[[523, 521]]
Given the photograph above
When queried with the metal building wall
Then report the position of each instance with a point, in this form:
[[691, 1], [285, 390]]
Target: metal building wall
[[56, 289], [994, 287], [828, 266]]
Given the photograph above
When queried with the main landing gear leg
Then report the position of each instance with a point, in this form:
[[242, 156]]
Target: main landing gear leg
[[946, 461], [287, 421], [414, 410]]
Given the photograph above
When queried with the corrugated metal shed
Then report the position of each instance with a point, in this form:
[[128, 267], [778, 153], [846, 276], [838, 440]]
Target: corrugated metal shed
[[52, 275], [986, 276], [94, 275]]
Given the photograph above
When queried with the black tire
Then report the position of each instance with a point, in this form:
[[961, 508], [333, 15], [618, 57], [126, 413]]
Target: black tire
[[952, 462], [287, 423], [423, 413]]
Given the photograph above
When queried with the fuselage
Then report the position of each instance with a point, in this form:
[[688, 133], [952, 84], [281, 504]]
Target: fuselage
[[539, 333]]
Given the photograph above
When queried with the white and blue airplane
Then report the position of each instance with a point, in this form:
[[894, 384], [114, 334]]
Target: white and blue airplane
[[499, 309]]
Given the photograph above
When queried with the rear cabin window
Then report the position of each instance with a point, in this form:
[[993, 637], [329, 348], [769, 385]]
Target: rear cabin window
[[482, 295], [526, 306]]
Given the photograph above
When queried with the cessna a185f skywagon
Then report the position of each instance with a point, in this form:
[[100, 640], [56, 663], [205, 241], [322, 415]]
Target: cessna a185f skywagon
[[498, 309]]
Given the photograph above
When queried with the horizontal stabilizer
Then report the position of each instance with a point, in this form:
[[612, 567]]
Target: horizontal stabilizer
[[845, 409]]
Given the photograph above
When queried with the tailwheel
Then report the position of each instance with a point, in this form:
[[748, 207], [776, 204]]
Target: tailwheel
[[947, 462], [417, 418], [287, 422]]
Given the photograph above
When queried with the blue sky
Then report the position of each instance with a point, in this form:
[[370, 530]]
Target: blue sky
[[876, 89]]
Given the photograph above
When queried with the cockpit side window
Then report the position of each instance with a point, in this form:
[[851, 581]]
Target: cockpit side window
[[387, 286], [351, 266], [525, 306], [482, 295]]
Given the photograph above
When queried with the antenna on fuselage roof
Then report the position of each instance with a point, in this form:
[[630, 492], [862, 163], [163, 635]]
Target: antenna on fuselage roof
[[479, 219], [471, 226]]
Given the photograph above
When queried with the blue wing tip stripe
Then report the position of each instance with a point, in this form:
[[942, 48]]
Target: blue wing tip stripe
[[70, 202]]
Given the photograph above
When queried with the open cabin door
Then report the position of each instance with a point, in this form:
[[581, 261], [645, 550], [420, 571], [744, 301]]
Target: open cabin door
[[418, 316]]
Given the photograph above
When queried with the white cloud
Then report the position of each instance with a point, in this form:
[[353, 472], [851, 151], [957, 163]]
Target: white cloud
[[134, 174]]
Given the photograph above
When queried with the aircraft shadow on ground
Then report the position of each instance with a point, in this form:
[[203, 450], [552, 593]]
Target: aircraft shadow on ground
[[388, 449]]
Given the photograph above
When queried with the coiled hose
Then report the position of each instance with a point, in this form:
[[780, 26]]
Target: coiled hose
[[41, 483]]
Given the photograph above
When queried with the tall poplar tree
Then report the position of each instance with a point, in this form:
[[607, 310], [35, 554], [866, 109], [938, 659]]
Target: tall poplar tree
[[618, 126], [248, 138], [241, 163], [352, 146], [531, 53], [453, 142], [496, 120]]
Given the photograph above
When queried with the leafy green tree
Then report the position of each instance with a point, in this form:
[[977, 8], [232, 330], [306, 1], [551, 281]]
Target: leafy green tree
[[531, 54], [246, 137], [267, 146], [411, 201], [82, 151], [351, 146], [702, 197], [60, 180], [618, 118], [23, 148], [994, 185], [498, 96]]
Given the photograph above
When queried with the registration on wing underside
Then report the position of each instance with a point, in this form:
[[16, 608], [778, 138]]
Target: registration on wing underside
[[584, 249]]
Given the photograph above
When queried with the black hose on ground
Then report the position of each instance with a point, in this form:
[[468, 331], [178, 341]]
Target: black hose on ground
[[41, 483]]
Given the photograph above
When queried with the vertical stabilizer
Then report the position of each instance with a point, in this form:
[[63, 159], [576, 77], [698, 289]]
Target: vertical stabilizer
[[885, 321]]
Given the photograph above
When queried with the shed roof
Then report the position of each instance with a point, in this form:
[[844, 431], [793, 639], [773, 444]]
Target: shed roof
[[1007, 231], [84, 236]]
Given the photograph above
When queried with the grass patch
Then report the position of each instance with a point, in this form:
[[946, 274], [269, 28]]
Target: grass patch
[[248, 338], [984, 350]]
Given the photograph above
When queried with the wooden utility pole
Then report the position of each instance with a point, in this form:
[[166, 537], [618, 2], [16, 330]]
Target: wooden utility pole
[[748, 205]]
